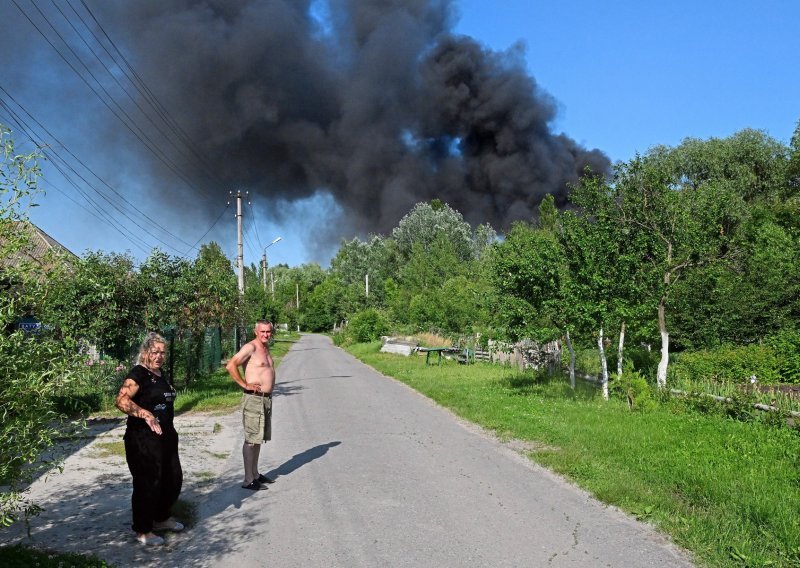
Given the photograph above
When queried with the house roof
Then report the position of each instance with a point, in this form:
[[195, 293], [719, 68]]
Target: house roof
[[38, 247]]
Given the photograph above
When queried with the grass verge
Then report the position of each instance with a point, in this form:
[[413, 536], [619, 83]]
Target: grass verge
[[727, 490]]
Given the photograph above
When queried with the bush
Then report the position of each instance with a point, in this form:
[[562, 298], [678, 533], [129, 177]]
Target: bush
[[786, 345], [729, 364], [94, 382], [634, 389], [367, 325]]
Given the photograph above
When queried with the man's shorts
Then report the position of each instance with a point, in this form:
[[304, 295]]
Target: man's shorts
[[256, 418]]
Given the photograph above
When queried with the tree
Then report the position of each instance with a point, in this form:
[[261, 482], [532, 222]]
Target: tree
[[425, 222], [356, 260], [166, 286], [214, 302], [606, 262], [99, 301], [33, 368], [326, 305], [688, 202], [526, 273]]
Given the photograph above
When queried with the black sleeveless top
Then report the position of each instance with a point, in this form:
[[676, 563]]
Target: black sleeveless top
[[155, 394]]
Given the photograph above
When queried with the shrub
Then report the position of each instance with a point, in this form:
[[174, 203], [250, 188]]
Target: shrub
[[786, 345], [729, 364], [634, 389], [367, 325]]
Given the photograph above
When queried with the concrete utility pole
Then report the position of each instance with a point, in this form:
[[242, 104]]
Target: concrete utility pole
[[239, 243], [366, 281], [239, 261]]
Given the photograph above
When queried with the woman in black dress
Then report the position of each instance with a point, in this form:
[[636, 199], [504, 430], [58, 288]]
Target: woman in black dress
[[151, 443]]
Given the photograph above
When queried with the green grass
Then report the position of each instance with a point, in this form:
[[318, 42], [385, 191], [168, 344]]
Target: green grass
[[19, 556], [725, 489]]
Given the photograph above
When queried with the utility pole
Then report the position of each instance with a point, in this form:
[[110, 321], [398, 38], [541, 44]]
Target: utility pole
[[239, 243], [366, 281], [297, 295], [239, 262], [264, 270]]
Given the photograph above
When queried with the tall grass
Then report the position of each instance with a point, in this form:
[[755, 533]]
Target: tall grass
[[725, 489]]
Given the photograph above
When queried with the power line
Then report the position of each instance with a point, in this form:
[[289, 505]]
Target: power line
[[145, 90], [142, 91], [78, 160], [62, 164], [96, 210], [140, 135]]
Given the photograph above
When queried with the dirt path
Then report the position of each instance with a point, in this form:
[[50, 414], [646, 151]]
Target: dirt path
[[87, 505]]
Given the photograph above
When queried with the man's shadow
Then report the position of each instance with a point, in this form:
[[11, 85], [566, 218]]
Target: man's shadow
[[299, 460], [231, 495]]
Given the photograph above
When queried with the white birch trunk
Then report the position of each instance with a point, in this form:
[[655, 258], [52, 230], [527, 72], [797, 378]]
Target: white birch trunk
[[571, 362], [619, 350], [603, 364], [661, 376]]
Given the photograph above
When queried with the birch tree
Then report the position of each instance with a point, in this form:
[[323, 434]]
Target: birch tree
[[686, 204]]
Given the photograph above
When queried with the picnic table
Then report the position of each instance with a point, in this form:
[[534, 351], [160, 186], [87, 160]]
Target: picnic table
[[463, 355]]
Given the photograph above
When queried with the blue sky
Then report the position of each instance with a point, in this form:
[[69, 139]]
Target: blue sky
[[625, 75], [629, 75]]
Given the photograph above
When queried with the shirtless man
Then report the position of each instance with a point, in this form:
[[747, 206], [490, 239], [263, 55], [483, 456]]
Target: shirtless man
[[258, 381]]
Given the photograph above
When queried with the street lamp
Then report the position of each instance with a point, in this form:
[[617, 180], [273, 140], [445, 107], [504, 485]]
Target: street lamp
[[264, 265]]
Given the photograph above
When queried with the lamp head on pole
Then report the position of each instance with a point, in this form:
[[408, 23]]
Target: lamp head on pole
[[273, 242]]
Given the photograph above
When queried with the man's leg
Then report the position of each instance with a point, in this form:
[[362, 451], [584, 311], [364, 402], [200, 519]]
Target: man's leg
[[266, 426], [250, 457]]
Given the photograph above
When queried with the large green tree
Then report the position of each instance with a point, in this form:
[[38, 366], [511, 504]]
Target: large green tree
[[688, 203], [425, 222], [526, 271], [166, 288]]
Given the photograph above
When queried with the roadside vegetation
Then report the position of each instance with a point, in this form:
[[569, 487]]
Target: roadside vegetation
[[720, 479]]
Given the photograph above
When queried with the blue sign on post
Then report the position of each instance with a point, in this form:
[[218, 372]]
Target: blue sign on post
[[29, 325]]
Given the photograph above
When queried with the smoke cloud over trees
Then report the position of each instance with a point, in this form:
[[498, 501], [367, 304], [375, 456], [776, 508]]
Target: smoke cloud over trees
[[376, 103]]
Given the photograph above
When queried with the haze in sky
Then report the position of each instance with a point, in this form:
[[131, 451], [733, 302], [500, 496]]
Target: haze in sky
[[339, 117]]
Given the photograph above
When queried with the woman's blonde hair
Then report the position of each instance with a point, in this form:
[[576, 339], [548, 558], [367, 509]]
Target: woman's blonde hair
[[144, 349]]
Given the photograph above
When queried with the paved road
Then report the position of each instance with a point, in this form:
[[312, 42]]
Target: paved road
[[370, 473]]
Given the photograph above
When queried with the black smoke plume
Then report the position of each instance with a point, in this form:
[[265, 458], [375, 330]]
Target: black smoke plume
[[375, 102]]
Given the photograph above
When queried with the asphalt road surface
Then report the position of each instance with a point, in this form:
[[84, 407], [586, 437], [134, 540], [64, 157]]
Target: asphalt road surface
[[370, 473]]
